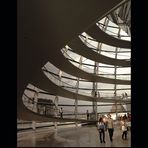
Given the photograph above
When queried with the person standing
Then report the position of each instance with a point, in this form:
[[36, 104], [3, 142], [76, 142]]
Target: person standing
[[61, 112], [101, 129], [87, 113], [110, 127], [124, 129]]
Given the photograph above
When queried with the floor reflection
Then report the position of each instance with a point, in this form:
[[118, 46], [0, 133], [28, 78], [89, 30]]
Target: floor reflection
[[86, 136]]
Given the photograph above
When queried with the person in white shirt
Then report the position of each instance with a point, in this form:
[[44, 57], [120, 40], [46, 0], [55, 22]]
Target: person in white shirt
[[110, 127], [124, 129]]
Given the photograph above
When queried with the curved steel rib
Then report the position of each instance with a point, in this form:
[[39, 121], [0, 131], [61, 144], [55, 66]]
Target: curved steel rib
[[80, 48]]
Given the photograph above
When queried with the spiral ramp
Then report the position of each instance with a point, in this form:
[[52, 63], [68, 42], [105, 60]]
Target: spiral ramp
[[49, 27]]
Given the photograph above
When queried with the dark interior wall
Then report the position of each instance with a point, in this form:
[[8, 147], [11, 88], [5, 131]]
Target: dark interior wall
[[45, 26]]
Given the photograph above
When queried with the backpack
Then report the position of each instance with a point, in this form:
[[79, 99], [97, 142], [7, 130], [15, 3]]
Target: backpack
[[101, 126]]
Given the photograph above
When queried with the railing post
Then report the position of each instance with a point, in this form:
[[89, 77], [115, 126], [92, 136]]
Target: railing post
[[55, 125], [34, 125]]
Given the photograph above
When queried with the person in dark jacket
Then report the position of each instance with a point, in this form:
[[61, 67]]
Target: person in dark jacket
[[87, 113], [61, 112]]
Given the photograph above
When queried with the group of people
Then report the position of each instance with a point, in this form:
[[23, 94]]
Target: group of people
[[108, 124], [103, 126]]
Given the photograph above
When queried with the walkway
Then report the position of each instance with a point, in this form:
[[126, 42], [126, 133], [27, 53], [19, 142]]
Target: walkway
[[69, 136]]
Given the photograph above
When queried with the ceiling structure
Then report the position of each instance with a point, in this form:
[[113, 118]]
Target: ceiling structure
[[44, 28]]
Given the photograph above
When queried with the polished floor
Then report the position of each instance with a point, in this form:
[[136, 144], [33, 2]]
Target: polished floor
[[70, 136]]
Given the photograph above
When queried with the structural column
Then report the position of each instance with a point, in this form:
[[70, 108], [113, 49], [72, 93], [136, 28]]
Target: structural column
[[56, 110], [36, 94], [115, 73], [77, 90], [56, 101], [76, 101]]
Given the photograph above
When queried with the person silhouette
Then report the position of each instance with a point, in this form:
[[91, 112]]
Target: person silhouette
[[61, 112], [87, 113]]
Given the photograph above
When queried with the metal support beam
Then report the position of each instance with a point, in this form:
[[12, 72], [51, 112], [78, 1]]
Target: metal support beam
[[77, 90]]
